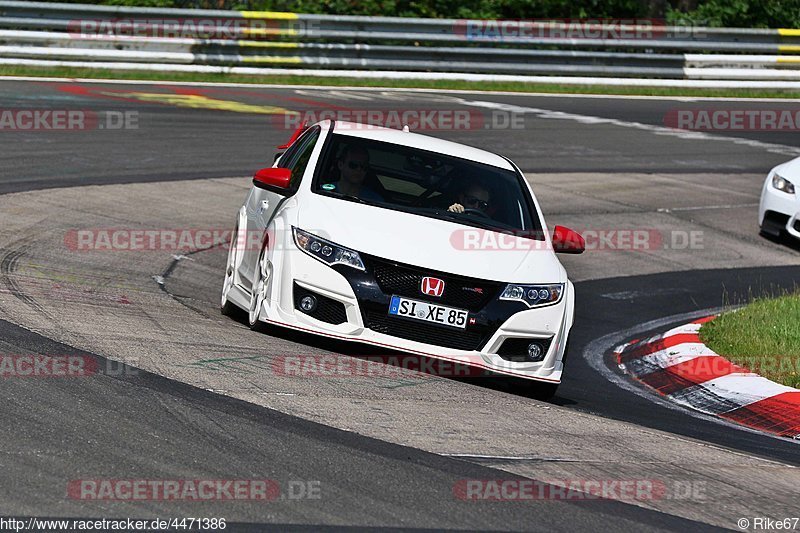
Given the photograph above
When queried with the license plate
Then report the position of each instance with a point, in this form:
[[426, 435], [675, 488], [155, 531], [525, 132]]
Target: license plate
[[428, 312]]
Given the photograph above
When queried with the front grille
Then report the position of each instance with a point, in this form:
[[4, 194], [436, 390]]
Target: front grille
[[517, 349], [462, 292], [415, 330], [328, 310], [796, 225]]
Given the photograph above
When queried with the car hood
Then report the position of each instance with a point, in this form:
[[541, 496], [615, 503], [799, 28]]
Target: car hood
[[429, 243]]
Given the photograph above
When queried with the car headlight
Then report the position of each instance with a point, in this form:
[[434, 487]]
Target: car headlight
[[782, 184], [533, 295], [326, 251]]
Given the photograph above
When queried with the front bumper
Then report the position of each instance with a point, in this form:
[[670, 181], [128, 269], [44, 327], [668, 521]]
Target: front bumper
[[362, 316], [778, 211]]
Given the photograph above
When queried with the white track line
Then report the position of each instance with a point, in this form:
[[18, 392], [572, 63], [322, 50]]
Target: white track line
[[395, 89], [651, 128]]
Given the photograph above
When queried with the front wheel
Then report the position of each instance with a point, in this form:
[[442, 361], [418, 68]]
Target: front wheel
[[259, 294], [226, 307]]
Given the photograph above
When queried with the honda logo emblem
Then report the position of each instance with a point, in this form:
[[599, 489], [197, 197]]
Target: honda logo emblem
[[432, 286]]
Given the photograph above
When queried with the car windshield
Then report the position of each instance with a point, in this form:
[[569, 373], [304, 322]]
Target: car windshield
[[428, 184]]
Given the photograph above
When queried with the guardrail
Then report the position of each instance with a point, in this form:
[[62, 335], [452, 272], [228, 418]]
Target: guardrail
[[51, 34]]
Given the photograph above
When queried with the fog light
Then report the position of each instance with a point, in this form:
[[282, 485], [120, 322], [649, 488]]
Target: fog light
[[535, 352], [308, 304]]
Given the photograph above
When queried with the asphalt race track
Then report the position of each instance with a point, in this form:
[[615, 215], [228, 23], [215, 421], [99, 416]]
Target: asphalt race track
[[197, 395]]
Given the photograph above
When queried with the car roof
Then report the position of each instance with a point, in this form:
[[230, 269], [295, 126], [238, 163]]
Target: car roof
[[422, 142]]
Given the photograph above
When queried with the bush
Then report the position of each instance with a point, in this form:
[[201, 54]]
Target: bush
[[512, 9], [718, 13], [741, 14]]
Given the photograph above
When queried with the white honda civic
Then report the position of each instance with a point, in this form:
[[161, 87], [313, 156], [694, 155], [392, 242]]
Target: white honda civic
[[779, 210], [406, 242]]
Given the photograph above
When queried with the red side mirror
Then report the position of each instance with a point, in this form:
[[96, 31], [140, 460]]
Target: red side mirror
[[272, 177], [566, 241]]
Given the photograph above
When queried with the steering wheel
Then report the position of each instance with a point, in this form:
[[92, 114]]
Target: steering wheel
[[470, 211]]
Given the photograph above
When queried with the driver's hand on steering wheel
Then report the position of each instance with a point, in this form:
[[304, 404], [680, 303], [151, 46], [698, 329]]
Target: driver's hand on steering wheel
[[456, 208]]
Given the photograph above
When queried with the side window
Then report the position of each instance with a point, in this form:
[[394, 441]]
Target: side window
[[298, 161], [288, 155]]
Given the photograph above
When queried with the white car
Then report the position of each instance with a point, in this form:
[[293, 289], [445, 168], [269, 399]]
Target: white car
[[779, 209], [406, 242]]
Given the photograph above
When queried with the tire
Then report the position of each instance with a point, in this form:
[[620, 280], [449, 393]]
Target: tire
[[226, 307], [566, 352], [229, 309], [259, 292]]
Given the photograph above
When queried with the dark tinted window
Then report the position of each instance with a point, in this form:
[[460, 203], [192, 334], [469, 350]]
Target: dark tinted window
[[298, 155], [426, 183]]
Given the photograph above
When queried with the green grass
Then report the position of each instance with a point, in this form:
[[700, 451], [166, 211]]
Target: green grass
[[763, 336], [63, 72]]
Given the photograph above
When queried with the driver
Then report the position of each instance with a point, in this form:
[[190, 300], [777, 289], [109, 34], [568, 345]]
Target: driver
[[474, 196], [353, 169]]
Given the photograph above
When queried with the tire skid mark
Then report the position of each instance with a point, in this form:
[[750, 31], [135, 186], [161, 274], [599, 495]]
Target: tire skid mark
[[8, 266], [161, 279]]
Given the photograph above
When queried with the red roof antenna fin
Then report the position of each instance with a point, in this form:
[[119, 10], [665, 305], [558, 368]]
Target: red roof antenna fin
[[297, 133]]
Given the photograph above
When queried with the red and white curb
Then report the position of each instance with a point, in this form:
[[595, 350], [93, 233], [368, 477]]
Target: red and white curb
[[677, 365]]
